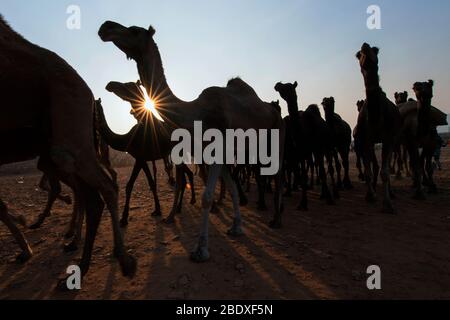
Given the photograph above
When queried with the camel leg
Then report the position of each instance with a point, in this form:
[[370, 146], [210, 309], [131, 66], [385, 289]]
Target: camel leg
[[303, 206], [243, 201], [153, 188], [326, 194], [261, 182], [76, 226], [201, 253], [129, 189], [361, 175], [417, 171], [375, 168], [331, 170], [222, 192], [428, 159], [386, 176], [190, 176], [346, 164], [236, 228], [181, 194], [17, 234], [179, 180], [335, 156], [369, 165], [99, 180], [288, 177], [55, 190], [169, 170]]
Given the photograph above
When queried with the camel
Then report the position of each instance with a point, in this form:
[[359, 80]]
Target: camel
[[147, 141], [342, 139], [53, 120], [420, 120], [378, 122], [52, 185], [310, 135], [400, 155], [358, 147], [235, 106]]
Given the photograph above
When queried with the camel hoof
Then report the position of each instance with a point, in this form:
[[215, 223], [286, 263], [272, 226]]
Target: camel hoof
[[371, 198], [128, 265], [235, 231], [200, 255], [123, 223], [275, 224], [302, 208], [169, 220], [193, 201], [361, 177], [156, 213], [22, 221], [388, 208], [331, 202], [287, 195], [36, 225], [339, 185], [432, 189], [348, 185], [71, 247], [262, 207], [23, 257], [243, 202], [419, 196], [214, 208]]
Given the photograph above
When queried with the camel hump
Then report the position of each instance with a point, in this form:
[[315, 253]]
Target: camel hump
[[407, 108], [240, 86], [313, 109]]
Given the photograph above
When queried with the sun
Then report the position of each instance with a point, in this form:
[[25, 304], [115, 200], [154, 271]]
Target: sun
[[150, 105]]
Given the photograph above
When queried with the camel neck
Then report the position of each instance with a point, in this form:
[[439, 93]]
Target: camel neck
[[372, 84], [151, 72], [292, 107]]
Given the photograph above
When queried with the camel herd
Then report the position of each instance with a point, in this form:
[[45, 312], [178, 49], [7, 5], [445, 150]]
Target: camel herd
[[56, 119]]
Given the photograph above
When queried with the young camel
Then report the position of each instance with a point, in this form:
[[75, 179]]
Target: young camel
[[53, 120], [342, 139], [378, 122], [235, 107], [147, 141]]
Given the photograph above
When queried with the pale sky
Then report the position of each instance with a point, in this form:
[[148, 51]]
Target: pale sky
[[205, 43]]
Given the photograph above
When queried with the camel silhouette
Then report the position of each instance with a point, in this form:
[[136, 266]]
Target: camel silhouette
[[147, 141], [310, 135], [236, 106], [378, 122], [341, 134], [53, 120]]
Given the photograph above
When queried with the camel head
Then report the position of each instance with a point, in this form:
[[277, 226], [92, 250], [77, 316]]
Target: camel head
[[401, 97], [368, 58], [424, 91], [328, 105], [137, 43], [287, 91], [360, 105], [130, 92]]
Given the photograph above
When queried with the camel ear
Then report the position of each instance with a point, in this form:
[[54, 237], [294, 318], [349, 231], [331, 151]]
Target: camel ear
[[396, 95], [431, 82], [295, 84], [358, 55], [406, 94], [99, 100], [151, 31], [376, 50]]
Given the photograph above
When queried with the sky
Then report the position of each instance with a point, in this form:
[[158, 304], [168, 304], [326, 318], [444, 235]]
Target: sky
[[205, 43]]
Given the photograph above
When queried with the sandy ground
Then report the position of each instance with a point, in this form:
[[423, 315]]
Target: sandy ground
[[320, 254]]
